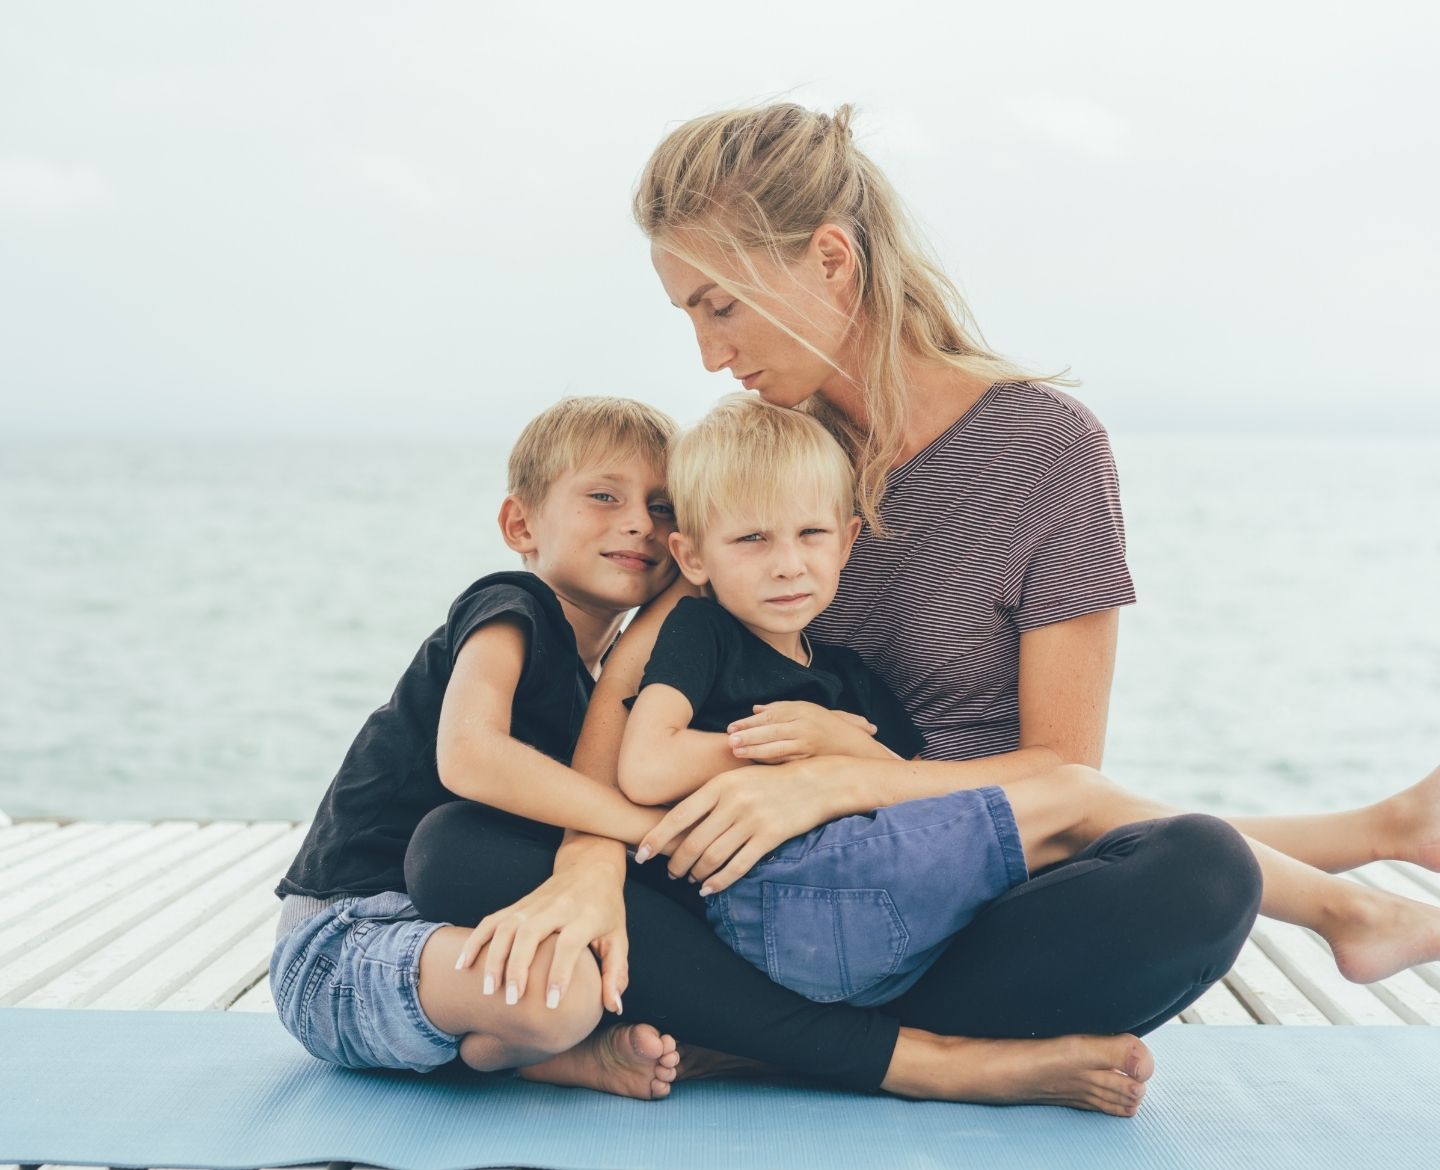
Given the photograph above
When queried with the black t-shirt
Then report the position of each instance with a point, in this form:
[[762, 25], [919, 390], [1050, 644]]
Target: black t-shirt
[[389, 780], [724, 669]]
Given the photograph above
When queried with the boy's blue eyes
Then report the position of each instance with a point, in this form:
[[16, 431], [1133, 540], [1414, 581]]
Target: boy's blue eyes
[[752, 537], [607, 498]]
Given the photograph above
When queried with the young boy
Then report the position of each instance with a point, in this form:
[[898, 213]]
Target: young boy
[[489, 710], [858, 909]]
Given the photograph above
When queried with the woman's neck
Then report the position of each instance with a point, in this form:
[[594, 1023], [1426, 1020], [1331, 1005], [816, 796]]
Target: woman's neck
[[936, 394]]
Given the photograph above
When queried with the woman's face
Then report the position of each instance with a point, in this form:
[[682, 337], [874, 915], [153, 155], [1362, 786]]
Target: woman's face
[[808, 297]]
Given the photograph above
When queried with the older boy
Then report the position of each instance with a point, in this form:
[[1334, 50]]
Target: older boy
[[489, 711]]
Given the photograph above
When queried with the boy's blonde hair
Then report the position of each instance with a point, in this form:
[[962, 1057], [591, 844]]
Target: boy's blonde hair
[[749, 455], [574, 430], [761, 181]]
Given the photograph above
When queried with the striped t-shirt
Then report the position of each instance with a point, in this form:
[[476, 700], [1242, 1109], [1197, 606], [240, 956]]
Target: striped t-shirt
[[1008, 521]]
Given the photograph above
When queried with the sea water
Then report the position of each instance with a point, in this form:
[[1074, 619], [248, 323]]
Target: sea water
[[198, 628]]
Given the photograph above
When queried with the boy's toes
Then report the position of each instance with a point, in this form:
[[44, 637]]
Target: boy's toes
[[670, 1059]]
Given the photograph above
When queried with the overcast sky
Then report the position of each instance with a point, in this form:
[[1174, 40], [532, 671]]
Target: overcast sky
[[414, 218]]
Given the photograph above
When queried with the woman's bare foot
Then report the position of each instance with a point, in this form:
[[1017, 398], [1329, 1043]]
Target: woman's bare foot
[[629, 1060], [1106, 1074], [1377, 934], [1414, 815]]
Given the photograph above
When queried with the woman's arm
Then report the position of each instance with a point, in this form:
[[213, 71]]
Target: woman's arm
[[717, 834]]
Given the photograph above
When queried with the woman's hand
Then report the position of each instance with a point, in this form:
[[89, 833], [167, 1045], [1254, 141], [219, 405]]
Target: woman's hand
[[723, 828], [780, 733], [580, 905]]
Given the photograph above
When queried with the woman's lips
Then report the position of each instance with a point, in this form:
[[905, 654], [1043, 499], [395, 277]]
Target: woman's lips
[[632, 561], [748, 381]]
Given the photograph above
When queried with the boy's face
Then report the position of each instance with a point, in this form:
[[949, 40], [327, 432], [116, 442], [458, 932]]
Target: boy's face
[[600, 536], [774, 574]]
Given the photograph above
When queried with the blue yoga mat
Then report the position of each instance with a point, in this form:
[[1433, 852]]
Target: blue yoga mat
[[211, 1089]]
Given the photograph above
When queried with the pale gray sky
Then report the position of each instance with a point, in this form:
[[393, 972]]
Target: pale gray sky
[[413, 218]]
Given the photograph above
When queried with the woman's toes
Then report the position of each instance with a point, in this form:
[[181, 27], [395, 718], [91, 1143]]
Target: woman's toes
[[645, 1042], [664, 1074], [659, 1089], [670, 1059]]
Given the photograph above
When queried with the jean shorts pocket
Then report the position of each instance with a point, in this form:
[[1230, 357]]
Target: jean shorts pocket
[[828, 944], [317, 1029]]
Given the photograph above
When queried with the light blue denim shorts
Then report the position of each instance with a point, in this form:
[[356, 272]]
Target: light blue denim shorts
[[858, 909], [347, 986]]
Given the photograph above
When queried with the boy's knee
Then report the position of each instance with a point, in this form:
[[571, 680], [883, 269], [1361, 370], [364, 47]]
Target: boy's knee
[[439, 835]]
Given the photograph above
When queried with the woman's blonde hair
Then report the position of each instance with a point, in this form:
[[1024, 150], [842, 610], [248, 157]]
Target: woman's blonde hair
[[763, 180], [561, 438], [748, 456]]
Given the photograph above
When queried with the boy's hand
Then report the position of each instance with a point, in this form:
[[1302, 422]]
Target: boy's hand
[[779, 733], [581, 911]]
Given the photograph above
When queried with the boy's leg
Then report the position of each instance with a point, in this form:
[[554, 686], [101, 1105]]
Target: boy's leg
[[1373, 933]]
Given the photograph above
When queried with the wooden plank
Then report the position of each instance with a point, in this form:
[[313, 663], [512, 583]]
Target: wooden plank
[[232, 907], [257, 999], [191, 893], [1309, 965], [1264, 989], [84, 871], [53, 850], [34, 968], [30, 931], [11, 836], [1219, 1005], [44, 841], [221, 982]]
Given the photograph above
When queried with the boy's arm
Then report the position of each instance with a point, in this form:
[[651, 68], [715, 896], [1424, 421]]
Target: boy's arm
[[662, 759], [479, 759]]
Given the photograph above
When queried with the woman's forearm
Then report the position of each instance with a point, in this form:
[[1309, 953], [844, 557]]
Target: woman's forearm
[[862, 785]]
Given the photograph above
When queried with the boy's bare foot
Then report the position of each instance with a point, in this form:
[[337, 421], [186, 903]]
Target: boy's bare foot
[[629, 1060], [1106, 1074], [1415, 815], [1379, 933]]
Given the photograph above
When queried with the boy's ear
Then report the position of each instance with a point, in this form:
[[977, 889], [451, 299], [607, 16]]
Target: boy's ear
[[847, 537], [688, 558], [515, 527]]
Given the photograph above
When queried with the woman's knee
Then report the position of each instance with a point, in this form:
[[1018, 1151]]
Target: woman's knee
[[1211, 872]]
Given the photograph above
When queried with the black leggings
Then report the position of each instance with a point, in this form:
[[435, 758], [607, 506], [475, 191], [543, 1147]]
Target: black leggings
[[1120, 938]]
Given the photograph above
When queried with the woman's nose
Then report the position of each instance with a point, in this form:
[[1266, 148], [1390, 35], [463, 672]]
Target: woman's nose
[[715, 354]]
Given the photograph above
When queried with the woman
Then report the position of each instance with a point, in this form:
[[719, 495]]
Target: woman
[[984, 588]]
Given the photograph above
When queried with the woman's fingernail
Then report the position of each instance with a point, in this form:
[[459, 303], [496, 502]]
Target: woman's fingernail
[[619, 1006], [706, 891], [552, 997], [459, 962], [512, 993], [642, 855], [488, 987]]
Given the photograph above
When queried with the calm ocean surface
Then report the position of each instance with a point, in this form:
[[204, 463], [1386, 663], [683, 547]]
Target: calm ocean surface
[[198, 629]]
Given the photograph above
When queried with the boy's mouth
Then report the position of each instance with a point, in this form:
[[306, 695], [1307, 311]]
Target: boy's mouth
[[789, 599], [635, 562]]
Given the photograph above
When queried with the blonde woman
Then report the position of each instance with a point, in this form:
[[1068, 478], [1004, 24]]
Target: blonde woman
[[984, 589]]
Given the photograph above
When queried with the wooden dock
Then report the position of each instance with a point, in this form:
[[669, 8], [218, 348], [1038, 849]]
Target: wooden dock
[[180, 916]]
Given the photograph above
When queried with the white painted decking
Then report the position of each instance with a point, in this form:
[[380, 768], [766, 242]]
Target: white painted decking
[[180, 915]]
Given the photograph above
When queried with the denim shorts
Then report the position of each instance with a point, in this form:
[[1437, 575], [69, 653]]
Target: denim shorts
[[346, 984], [858, 909]]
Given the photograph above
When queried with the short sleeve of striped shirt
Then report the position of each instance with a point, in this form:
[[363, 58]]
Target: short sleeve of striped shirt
[[1069, 552]]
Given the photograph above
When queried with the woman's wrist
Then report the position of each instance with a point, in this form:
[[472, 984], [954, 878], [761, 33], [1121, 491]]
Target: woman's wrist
[[598, 855]]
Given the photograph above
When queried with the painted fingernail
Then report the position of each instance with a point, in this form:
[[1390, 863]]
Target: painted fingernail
[[706, 891], [642, 855], [459, 962], [512, 993], [488, 987], [619, 1006], [552, 997]]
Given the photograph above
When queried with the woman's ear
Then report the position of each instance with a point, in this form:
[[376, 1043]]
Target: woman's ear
[[688, 558], [836, 252], [515, 527]]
